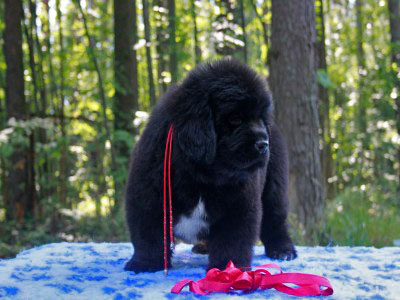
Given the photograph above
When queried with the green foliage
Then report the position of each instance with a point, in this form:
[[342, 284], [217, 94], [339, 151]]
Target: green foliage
[[363, 218], [16, 238], [368, 216], [324, 80], [71, 227], [356, 95]]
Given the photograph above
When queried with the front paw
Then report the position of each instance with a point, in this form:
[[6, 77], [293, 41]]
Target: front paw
[[140, 266], [281, 251]]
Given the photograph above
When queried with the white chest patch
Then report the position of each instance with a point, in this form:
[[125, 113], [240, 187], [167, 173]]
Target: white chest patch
[[188, 228]]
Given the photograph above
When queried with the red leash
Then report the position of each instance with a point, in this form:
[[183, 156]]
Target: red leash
[[232, 279], [167, 162]]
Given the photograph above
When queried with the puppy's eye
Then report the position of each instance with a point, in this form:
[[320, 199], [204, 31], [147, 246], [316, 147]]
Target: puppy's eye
[[235, 122]]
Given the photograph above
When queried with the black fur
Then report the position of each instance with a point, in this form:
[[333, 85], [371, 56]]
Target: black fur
[[220, 111]]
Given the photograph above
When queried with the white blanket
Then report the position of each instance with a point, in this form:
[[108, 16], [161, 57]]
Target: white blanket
[[95, 271]]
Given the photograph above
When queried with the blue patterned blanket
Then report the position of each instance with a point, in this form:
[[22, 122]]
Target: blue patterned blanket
[[95, 271]]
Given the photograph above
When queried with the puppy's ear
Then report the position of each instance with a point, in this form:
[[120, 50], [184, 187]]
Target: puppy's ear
[[196, 135]]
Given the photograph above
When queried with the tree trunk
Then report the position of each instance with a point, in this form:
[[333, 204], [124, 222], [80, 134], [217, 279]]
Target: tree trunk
[[173, 56], [31, 51], [31, 34], [40, 73], [42, 164], [126, 87], [394, 12], [18, 196], [63, 158], [118, 183], [161, 45], [243, 25], [326, 154], [52, 79], [3, 167], [197, 50], [264, 25], [147, 36], [92, 55], [361, 109], [294, 87]]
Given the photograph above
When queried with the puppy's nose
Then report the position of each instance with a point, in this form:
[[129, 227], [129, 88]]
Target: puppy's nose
[[262, 146]]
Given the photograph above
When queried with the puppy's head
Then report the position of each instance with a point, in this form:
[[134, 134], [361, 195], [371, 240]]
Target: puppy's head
[[223, 114]]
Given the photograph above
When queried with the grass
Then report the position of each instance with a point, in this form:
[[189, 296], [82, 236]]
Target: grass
[[362, 218]]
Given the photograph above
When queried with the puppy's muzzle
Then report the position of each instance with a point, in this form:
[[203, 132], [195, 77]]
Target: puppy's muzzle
[[262, 146]]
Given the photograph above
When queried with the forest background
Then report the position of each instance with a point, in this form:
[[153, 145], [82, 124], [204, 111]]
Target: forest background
[[78, 79]]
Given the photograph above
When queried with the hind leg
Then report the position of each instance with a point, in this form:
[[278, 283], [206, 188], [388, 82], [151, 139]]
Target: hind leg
[[148, 250], [148, 241], [145, 225]]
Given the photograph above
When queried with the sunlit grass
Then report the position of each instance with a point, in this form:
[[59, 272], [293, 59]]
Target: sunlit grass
[[359, 216], [355, 218]]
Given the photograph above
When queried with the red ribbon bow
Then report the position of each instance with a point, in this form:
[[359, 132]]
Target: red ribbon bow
[[233, 278]]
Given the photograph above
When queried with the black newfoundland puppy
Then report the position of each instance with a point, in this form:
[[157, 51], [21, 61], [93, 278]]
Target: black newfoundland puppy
[[229, 171]]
